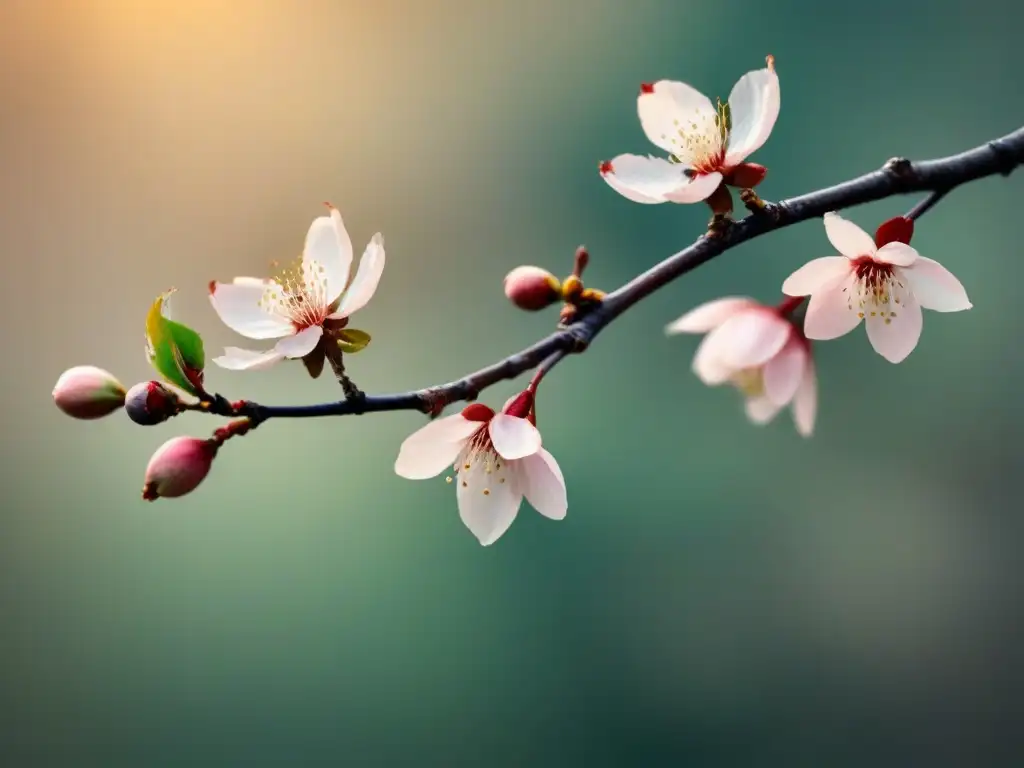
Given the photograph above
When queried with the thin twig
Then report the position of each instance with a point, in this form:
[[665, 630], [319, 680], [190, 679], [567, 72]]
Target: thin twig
[[898, 176]]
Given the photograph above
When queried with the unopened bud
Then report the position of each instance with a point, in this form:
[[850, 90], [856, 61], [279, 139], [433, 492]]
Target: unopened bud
[[896, 230], [88, 392], [177, 467], [150, 402], [746, 175], [532, 288]]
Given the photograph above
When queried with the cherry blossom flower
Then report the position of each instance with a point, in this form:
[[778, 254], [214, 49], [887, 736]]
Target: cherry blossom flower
[[296, 305], [882, 281], [706, 145], [498, 459], [758, 350]]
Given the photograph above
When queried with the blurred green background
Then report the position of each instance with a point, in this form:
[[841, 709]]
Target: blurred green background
[[718, 595]]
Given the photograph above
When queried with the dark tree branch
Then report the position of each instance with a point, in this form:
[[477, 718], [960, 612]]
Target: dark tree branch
[[898, 176]]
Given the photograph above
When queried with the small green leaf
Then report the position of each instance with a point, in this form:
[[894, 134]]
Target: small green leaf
[[174, 350], [352, 340]]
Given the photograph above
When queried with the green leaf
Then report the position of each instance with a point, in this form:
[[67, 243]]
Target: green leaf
[[174, 350], [352, 340]]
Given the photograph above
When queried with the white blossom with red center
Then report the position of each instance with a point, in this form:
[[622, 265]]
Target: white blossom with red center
[[703, 149], [497, 460], [758, 350], [882, 281], [294, 305]]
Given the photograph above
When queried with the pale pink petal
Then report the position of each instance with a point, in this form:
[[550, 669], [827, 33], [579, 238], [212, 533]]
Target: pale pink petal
[[754, 105], [513, 437], [708, 365], [543, 484], [761, 410], [783, 373], [672, 107], [328, 252], [653, 180], [700, 188], [935, 287], [235, 359], [895, 335], [847, 238], [710, 315], [240, 307], [434, 447], [301, 344], [830, 313], [805, 402], [487, 507], [816, 274], [897, 254], [750, 338], [364, 284]]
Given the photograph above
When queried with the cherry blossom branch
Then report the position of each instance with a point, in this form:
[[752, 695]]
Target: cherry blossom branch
[[898, 176]]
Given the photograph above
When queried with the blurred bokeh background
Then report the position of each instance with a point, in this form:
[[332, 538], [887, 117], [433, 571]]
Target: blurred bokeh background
[[718, 595]]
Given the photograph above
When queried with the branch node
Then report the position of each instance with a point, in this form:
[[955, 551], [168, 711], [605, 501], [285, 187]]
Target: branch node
[[433, 401], [755, 204], [1006, 158], [900, 167], [720, 224]]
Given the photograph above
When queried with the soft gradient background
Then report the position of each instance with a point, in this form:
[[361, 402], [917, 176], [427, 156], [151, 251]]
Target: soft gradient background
[[718, 595]]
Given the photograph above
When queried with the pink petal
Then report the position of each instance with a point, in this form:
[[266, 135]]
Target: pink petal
[[364, 284], [829, 313], [897, 254], [544, 485], [653, 180], [487, 515], [708, 365], [235, 359], [668, 107], [301, 344], [698, 189], [895, 336], [710, 315], [805, 402], [935, 287], [238, 305], [750, 338], [761, 410], [816, 274], [754, 103], [329, 247], [513, 437], [783, 373], [434, 447], [847, 238]]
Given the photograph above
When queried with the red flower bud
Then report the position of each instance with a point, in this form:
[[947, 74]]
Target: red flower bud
[[896, 230], [746, 175], [177, 467], [532, 288], [88, 392], [150, 402]]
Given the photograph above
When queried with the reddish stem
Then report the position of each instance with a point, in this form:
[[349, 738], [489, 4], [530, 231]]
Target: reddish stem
[[789, 304]]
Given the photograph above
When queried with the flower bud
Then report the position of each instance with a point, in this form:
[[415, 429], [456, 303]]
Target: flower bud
[[150, 402], [88, 392], [532, 288], [177, 467]]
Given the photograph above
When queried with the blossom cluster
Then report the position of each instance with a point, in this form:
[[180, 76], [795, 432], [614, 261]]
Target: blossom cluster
[[496, 458]]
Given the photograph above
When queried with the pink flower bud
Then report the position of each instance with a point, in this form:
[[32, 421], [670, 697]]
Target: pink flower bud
[[88, 392], [177, 467], [150, 402], [532, 288]]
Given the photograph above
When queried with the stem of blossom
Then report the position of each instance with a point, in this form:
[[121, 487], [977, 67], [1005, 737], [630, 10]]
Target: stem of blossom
[[232, 429], [926, 205], [336, 358], [789, 305], [543, 369]]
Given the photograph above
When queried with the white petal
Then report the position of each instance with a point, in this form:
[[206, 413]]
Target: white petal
[[896, 339], [829, 314], [543, 484], [673, 106], [364, 284], [433, 447], [301, 344], [655, 180], [754, 105], [805, 402], [329, 246], [235, 359], [707, 363], [783, 373], [847, 238], [513, 437], [488, 515], [710, 315], [238, 306], [935, 287], [761, 410], [896, 253], [750, 338], [815, 274]]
